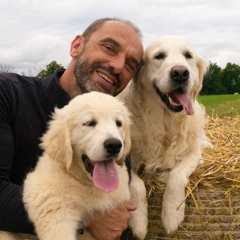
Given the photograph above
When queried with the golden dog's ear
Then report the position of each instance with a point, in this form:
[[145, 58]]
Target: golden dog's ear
[[56, 142], [202, 69], [136, 75], [127, 144]]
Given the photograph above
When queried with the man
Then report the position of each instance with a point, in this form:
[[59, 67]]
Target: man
[[104, 58]]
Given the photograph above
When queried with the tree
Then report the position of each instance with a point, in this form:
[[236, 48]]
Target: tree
[[6, 68], [212, 82], [231, 78], [50, 69]]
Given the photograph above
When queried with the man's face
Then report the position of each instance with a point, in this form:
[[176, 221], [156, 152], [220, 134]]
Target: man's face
[[109, 59]]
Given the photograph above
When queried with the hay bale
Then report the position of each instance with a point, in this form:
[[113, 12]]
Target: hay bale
[[213, 193]]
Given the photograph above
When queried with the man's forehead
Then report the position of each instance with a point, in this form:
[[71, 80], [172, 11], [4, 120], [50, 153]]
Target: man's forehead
[[114, 25], [120, 32]]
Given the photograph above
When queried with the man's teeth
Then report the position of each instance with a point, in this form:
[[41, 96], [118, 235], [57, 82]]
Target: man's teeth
[[106, 78]]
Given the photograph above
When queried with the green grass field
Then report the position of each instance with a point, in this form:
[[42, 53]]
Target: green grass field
[[221, 105]]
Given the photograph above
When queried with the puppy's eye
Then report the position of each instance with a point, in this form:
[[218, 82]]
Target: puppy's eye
[[91, 123], [188, 55], [118, 123], [160, 56]]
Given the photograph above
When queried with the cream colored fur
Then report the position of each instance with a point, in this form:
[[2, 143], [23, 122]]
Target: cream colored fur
[[60, 193], [169, 143]]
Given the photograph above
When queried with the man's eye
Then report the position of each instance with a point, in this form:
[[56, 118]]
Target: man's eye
[[130, 66], [109, 48]]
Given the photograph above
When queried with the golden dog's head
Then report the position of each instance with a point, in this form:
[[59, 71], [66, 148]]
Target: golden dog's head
[[89, 135], [174, 70]]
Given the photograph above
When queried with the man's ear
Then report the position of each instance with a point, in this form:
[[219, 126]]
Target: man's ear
[[76, 46]]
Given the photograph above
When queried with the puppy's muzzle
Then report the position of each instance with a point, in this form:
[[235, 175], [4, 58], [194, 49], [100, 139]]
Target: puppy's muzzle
[[113, 146]]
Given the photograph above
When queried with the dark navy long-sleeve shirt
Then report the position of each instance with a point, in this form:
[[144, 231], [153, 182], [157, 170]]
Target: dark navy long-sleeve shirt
[[26, 105]]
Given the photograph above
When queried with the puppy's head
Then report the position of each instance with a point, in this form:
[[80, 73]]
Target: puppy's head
[[89, 136], [175, 72]]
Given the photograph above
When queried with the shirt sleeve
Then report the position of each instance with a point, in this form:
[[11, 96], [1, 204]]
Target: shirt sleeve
[[13, 216]]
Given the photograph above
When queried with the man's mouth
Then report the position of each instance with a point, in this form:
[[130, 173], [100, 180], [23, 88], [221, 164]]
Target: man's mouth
[[106, 78]]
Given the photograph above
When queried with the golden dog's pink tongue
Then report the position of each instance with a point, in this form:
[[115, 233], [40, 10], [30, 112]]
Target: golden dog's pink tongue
[[185, 100], [105, 176]]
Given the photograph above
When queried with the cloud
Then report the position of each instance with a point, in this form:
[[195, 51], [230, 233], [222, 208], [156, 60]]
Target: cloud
[[222, 57], [36, 53], [36, 32]]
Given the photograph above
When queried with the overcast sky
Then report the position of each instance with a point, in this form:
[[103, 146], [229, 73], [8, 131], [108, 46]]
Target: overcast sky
[[35, 32]]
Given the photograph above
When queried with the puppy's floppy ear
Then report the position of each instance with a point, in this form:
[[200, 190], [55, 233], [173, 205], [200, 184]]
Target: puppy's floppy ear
[[56, 142], [202, 69]]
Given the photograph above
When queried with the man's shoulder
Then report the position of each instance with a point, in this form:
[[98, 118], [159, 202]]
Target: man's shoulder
[[16, 79]]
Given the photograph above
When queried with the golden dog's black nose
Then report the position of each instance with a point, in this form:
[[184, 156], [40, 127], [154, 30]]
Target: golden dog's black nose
[[113, 145], [179, 74]]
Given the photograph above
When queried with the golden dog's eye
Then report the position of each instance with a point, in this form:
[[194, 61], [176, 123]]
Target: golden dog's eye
[[91, 123], [118, 123], [160, 56], [188, 55]]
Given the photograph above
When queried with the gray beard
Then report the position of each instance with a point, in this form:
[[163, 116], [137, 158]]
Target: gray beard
[[83, 75], [83, 72]]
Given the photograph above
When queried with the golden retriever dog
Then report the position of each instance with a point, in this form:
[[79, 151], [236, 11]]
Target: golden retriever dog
[[168, 123], [82, 168]]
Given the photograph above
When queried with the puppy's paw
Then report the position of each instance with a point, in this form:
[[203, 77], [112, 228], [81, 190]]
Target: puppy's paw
[[172, 217]]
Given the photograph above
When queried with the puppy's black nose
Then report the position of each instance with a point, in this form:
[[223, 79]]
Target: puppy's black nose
[[113, 145], [179, 74]]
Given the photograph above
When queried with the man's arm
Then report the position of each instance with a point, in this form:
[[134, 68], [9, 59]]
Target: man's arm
[[13, 216]]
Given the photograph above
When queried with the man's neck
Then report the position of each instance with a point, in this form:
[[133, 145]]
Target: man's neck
[[68, 82]]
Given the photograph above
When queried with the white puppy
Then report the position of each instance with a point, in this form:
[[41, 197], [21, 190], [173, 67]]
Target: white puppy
[[79, 170], [168, 122]]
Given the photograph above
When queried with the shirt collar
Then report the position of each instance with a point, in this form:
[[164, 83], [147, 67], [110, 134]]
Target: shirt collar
[[57, 95]]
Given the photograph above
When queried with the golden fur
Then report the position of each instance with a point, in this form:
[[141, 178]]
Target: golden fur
[[169, 143]]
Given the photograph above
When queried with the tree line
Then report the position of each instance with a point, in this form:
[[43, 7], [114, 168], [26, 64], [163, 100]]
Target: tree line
[[216, 81], [221, 81], [42, 73]]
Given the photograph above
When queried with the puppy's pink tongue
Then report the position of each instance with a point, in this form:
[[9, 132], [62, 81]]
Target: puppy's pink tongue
[[105, 176], [185, 100]]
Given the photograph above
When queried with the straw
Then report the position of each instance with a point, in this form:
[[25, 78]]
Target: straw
[[213, 192]]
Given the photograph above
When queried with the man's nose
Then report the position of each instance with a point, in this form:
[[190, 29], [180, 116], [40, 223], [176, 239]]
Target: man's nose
[[117, 64]]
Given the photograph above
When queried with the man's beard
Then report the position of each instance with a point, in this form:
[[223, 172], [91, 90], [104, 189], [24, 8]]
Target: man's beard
[[83, 72]]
